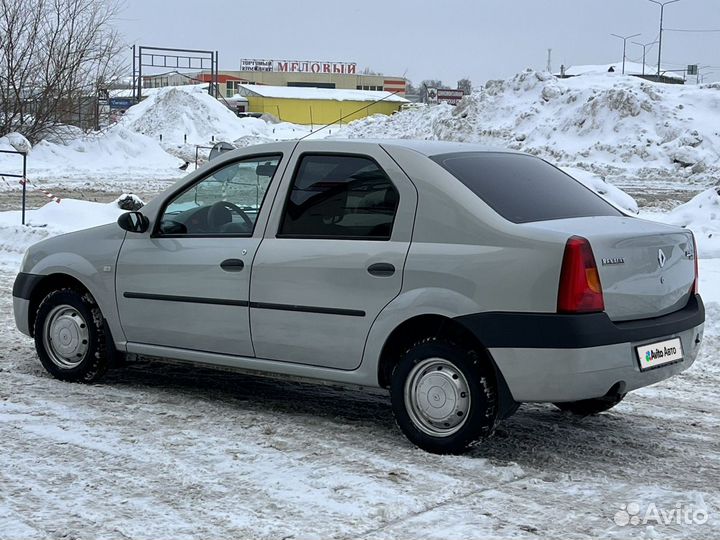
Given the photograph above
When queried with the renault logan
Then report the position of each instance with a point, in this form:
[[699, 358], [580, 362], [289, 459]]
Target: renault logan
[[463, 280]]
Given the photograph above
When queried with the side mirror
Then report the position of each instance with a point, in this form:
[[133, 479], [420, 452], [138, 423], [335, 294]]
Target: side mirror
[[133, 222]]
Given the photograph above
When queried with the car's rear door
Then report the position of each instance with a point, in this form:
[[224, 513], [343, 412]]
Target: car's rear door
[[186, 283], [333, 254]]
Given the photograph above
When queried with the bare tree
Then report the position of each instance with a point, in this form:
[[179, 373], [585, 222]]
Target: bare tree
[[54, 57], [429, 83], [465, 85]]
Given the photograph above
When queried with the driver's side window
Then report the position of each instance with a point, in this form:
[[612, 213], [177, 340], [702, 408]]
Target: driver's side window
[[227, 202]]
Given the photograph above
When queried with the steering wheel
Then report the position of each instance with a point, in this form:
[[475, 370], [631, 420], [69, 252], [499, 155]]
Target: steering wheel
[[220, 214]]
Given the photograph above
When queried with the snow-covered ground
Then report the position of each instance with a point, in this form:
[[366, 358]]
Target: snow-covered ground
[[157, 451], [164, 451]]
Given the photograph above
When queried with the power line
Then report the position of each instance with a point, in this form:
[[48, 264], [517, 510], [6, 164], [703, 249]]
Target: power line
[[700, 31]]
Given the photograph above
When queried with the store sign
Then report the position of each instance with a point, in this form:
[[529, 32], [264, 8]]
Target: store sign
[[121, 103], [298, 66], [256, 65], [451, 97]]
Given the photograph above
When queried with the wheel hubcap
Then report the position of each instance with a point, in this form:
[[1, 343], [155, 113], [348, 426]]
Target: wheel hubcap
[[66, 336], [437, 397]]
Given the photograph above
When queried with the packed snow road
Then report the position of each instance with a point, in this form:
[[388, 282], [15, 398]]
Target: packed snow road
[[163, 451]]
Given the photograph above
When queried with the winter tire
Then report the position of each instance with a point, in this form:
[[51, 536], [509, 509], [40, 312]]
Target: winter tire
[[71, 337], [443, 396]]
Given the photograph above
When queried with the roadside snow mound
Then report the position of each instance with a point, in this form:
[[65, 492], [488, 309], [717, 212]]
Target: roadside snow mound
[[117, 153], [52, 219], [178, 111], [701, 214], [607, 123], [15, 141], [614, 195]]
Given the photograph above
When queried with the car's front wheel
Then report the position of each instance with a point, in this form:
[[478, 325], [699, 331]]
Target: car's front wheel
[[70, 336], [587, 407], [443, 396]]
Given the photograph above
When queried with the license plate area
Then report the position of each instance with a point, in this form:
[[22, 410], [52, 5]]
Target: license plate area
[[660, 353]]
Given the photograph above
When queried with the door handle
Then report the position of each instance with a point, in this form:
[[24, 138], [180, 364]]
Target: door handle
[[381, 269], [232, 265]]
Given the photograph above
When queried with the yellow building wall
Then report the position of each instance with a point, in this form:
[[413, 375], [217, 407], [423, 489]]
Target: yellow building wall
[[317, 111]]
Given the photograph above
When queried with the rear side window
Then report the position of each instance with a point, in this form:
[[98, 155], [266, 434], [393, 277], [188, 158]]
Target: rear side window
[[338, 196], [523, 188]]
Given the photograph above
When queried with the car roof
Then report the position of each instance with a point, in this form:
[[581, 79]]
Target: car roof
[[434, 148], [424, 147]]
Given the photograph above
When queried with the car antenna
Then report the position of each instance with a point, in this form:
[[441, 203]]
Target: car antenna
[[389, 94]]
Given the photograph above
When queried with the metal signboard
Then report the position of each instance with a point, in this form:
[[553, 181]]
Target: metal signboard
[[298, 66], [451, 97]]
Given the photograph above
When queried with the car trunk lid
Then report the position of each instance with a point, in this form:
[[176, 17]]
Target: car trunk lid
[[646, 269]]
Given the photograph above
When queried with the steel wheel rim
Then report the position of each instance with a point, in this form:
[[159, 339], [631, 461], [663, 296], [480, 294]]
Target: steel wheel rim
[[66, 336], [437, 397]]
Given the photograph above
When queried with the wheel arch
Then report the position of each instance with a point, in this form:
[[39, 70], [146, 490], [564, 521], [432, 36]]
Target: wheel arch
[[429, 325], [45, 286]]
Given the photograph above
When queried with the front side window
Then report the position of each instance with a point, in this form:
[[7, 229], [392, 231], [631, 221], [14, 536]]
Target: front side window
[[226, 202], [335, 196]]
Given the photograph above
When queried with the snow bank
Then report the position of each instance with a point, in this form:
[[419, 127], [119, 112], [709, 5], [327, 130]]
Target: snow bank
[[175, 112], [702, 216], [189, 110], [609, 192], [116, 152], [605, 123], [15, 141], [52, 219]]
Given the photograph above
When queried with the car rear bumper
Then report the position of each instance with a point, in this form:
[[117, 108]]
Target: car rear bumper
[[558, 358]]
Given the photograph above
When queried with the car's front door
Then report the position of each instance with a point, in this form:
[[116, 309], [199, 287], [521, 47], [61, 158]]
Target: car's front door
[[185, 284], [333, 254]]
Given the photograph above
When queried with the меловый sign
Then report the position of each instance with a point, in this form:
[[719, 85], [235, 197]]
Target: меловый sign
[[298, 66]]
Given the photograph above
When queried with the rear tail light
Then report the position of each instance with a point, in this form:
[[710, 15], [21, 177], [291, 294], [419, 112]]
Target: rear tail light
[[697, 272], [580, 290]]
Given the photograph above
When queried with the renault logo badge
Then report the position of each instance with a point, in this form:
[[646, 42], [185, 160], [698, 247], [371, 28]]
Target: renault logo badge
[[661, 258]]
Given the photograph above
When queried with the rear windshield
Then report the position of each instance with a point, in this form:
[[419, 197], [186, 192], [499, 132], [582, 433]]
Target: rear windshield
[[523, 188]]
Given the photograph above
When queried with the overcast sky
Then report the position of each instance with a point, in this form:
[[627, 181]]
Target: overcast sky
[[446, 39]]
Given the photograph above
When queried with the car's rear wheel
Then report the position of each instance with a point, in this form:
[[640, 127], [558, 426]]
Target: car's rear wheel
[[587, 407], [443, 396], [71, 337]]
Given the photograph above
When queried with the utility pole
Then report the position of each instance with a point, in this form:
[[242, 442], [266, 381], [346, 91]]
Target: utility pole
[[624, 40], [662, 13], [644, 46]]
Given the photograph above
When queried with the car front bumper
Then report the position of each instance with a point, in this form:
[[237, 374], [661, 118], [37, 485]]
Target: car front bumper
[[555, 357]]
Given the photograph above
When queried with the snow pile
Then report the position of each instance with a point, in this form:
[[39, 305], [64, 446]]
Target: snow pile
[[52, 219], [178, 111], [701, 215], [131, 151], [15, 141], [190, 111], [116, 152], [612, 194], [606, 123], [631, 68]]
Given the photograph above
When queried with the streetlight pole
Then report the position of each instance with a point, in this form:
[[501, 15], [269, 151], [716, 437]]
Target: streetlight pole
[[662, 13], [644, 46], [624, 39]]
